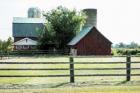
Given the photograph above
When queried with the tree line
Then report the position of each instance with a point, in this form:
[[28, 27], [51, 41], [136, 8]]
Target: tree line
[[132, 45], [124, 49]]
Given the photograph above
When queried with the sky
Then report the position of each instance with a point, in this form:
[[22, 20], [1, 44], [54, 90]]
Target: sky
[[118, 20]]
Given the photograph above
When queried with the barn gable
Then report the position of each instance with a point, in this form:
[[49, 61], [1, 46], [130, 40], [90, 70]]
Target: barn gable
[[90, 41], [83, 33], [26, 41]]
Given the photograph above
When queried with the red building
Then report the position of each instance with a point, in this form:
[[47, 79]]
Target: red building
[[90, 41]]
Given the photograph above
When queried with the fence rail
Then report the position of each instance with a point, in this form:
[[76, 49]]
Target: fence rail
[[67, 62], [69, 69], [33, 52], [72, 69]]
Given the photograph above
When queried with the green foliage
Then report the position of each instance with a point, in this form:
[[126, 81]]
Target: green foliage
[[6, 46], [113, 52], [132, 45], [62, 26], [47, 37], [122, 51]]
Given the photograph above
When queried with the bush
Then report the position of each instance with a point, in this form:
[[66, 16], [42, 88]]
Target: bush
[[138, 54], [127, 51]]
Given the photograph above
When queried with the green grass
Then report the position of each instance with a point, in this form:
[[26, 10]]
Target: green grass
[[57, 80], [62, 85], [103, 89]]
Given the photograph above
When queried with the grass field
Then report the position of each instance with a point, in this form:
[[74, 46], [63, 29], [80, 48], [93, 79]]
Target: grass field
[[61, 84], [103, 89]]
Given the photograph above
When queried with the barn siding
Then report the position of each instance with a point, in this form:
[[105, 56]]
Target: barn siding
[[27, 29], [94, 43]]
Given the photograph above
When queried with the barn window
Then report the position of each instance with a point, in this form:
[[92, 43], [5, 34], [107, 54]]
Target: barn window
[[18, 47], [25, 47]]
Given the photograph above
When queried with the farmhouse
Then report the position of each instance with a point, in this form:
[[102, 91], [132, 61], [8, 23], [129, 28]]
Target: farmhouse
[[89, 41], [26, 30]]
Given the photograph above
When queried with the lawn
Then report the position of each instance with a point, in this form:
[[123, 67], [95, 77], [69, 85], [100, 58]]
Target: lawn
[[92, 84], [102, 89]]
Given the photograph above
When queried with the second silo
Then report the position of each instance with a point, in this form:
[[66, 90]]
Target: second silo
[[91, 17], [34, 12]]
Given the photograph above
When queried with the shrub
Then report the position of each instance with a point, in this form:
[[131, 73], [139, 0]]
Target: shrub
[[138, 54], [127, 51]]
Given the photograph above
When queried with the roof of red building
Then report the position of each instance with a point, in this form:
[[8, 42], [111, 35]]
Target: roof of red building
[[82, 34]]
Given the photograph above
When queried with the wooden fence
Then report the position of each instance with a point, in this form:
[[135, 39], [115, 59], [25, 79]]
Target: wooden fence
[[71, 69], [33, 52]]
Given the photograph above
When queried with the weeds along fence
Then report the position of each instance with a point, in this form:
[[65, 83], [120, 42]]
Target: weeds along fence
[[72, 69]]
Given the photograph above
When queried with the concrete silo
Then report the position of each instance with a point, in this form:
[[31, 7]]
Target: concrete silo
[[34, 12], [91, 17]]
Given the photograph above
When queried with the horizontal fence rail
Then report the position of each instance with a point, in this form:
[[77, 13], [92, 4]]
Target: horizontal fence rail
[[33, 52], [72, 69], [34, 75], [84, 75], [108, 75], [34, 62], [67, 62], [23, 69], [68, 69]]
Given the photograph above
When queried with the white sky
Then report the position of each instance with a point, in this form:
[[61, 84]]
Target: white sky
[[118, 20]]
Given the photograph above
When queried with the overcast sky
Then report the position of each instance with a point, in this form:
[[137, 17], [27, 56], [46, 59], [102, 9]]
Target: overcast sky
[[118, 20]]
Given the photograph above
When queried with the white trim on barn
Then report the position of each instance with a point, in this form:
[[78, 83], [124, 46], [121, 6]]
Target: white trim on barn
[[26, 41], [25, 44]]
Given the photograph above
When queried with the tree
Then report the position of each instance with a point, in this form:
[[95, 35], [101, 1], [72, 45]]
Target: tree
[[46, 37], [120, 45], [123, 45], [9, 44], [62, 26], [6, 46], [133, 45]]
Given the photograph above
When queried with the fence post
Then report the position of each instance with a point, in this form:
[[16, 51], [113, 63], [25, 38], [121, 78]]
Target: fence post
[[71, 70], [128, 68]]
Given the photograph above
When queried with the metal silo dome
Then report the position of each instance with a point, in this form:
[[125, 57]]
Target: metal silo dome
[[34, 12], [91, 17]]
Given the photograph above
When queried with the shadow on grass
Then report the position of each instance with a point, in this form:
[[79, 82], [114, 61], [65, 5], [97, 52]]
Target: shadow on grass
[[122, 82], [59, 85]]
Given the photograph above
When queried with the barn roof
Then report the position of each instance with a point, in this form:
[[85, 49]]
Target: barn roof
[[28, 20], [82, 34], [27, 27]]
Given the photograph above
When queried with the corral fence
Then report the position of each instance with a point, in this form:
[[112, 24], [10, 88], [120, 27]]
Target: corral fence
[[72, 69], [32, 53], [20, 53]]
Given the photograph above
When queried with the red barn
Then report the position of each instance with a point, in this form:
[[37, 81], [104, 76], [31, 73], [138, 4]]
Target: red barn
[[90, 41]]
